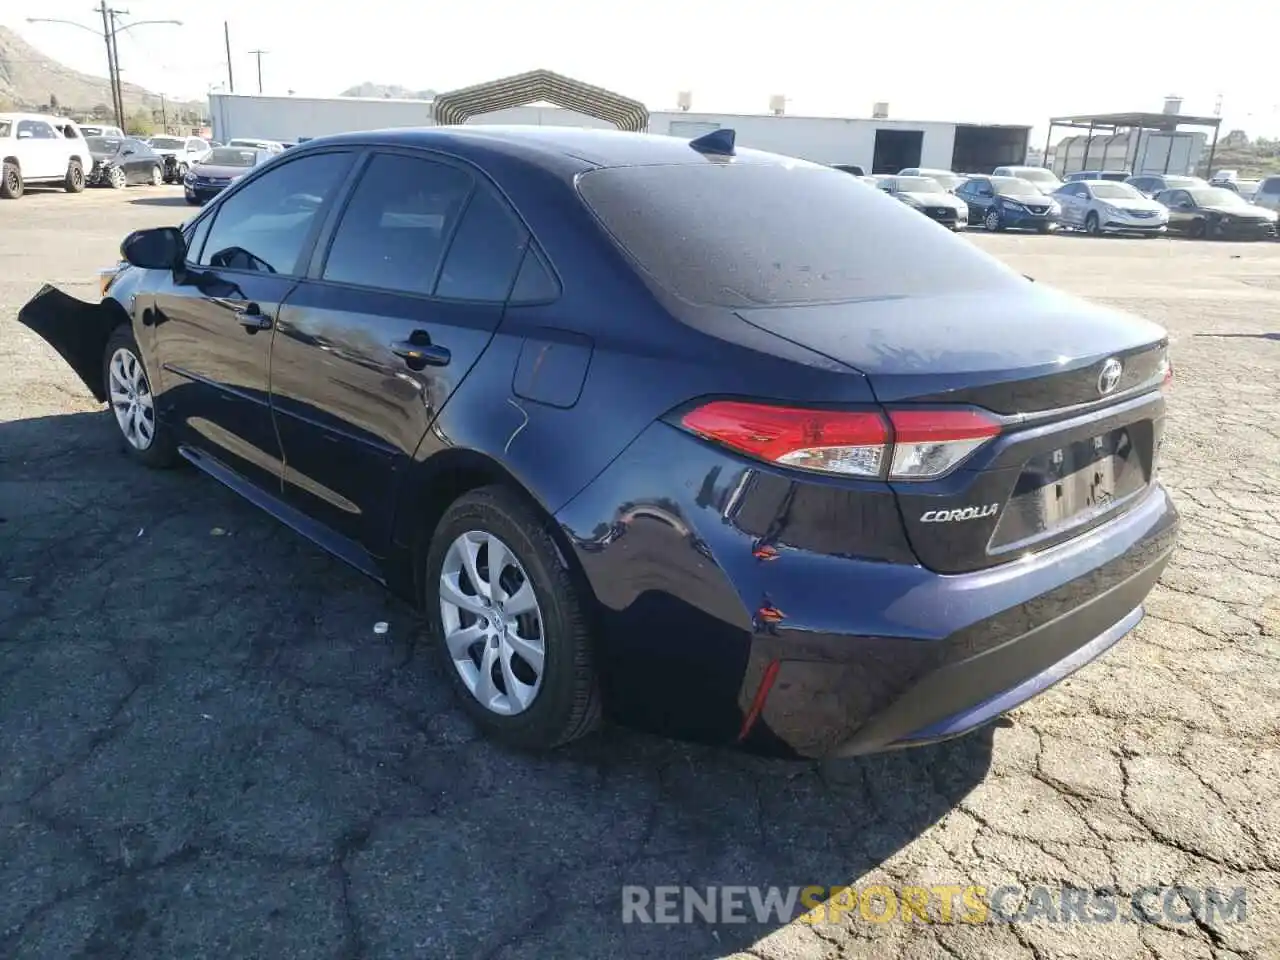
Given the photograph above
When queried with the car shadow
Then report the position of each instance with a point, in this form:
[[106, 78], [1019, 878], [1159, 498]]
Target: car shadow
[[246, 658], [178, 201]]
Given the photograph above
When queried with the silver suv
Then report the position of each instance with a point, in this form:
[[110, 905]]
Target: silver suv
[[1268, 194]]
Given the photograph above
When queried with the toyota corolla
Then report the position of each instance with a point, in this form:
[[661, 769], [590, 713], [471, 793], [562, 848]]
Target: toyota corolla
[[710, 441]]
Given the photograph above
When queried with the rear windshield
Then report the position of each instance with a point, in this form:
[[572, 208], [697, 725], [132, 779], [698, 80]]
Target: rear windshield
[[232, 157], [744, 235], [103, 144], [168, 143]]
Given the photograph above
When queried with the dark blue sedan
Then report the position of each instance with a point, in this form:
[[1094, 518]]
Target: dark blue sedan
[[710, 441], [221, 168], [1003, 203]]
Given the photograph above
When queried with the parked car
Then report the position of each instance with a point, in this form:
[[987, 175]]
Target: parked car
[[1120, 176], [117, 163], [1045, 179], [1268, 194], [856, 169], [270, 146], [739, 451], [34, 151], [949, 180], [179, 154], [1150, 184], [97, 130], [929, 197], [1103, 206], [1002, 203], [221, 168], [1244, 187], [1216, 213]]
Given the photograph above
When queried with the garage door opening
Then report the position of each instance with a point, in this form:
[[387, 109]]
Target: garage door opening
[[897, 149], [980, 149]]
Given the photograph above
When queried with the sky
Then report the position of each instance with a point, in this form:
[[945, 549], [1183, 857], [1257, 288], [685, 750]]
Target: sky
[[928, 61]]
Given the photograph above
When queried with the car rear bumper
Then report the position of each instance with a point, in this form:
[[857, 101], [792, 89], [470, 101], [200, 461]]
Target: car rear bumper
[[798, 642]]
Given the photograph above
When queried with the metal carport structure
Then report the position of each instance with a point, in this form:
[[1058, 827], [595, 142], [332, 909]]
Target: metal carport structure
[[1109, 124], [458, 106]]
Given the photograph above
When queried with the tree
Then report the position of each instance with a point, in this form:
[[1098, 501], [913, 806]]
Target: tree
[[53, 103]]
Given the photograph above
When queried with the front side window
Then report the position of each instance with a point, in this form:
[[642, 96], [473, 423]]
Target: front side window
[[6, 128], [264, 227], [395, 229]]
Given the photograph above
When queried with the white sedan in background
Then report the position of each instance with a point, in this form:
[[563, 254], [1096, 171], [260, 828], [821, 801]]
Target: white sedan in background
[[1104, 206], [188, 151]]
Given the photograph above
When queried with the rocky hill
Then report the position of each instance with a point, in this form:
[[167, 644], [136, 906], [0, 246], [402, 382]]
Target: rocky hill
[[30, 79], [383, 91]]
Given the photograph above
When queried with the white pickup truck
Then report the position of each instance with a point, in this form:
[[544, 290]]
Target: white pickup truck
[[36, 148]]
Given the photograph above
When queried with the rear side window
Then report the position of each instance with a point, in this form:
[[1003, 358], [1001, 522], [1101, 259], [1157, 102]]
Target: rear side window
[[395, 229], [265, 226], [485, 253], [1270, 185], [6, 127]]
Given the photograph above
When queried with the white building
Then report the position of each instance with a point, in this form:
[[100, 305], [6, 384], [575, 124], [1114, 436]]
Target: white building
[[877, 145]]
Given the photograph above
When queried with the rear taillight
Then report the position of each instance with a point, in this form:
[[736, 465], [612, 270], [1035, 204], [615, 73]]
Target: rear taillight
[[909, 445], [929, 443], [829, 441]]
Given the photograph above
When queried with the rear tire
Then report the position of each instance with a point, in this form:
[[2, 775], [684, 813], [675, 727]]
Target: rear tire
[[555, 704], [993, 221], [1197, 230], [75, 177], [157, 176], [116, 179], [129, 396], [11, 185]]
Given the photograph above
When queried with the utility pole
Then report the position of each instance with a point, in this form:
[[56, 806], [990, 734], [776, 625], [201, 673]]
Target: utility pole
[[258, 54], [108, 35], [226, 35], [115, 52], [164, 116]]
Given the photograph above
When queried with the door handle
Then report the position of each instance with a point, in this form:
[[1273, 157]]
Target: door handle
[[251, 317], [418, 351]]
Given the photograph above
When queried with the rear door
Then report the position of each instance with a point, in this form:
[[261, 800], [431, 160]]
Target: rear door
[[40, 151], [213, 331], [403, 296]]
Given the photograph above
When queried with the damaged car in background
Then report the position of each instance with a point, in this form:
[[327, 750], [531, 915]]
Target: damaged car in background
[[120, 162], [709, 441]]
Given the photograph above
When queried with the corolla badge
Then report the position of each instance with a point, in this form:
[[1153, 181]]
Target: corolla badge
[[1109, 378]]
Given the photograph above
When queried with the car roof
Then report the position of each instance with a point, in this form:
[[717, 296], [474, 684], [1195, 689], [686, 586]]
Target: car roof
[[554, 146]]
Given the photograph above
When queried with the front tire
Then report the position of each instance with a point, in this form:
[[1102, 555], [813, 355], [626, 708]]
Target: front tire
[[510, 622], [74, 182], [157, 176], [1092, 226], [11, 185], [129, 394], [992, 220], [1197, 230]]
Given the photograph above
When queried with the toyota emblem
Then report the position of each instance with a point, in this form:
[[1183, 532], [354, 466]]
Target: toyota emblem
[[1109, 378]]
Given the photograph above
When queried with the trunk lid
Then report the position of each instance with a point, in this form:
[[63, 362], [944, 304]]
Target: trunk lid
[[1079, 439]]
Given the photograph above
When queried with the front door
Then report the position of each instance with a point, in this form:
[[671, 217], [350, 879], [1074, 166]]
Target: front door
[[213, 331], [370, 348]]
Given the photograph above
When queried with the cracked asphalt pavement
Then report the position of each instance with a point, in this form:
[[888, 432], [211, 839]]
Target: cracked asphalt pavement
[[206, 751]]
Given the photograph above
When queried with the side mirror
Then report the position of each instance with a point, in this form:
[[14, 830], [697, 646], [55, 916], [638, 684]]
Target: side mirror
[[159, 248]]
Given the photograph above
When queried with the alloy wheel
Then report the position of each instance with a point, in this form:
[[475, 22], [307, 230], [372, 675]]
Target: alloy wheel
[[117, 177], [992, 220], [157, 176], [493, 625], [131, 400], [14, 181]]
